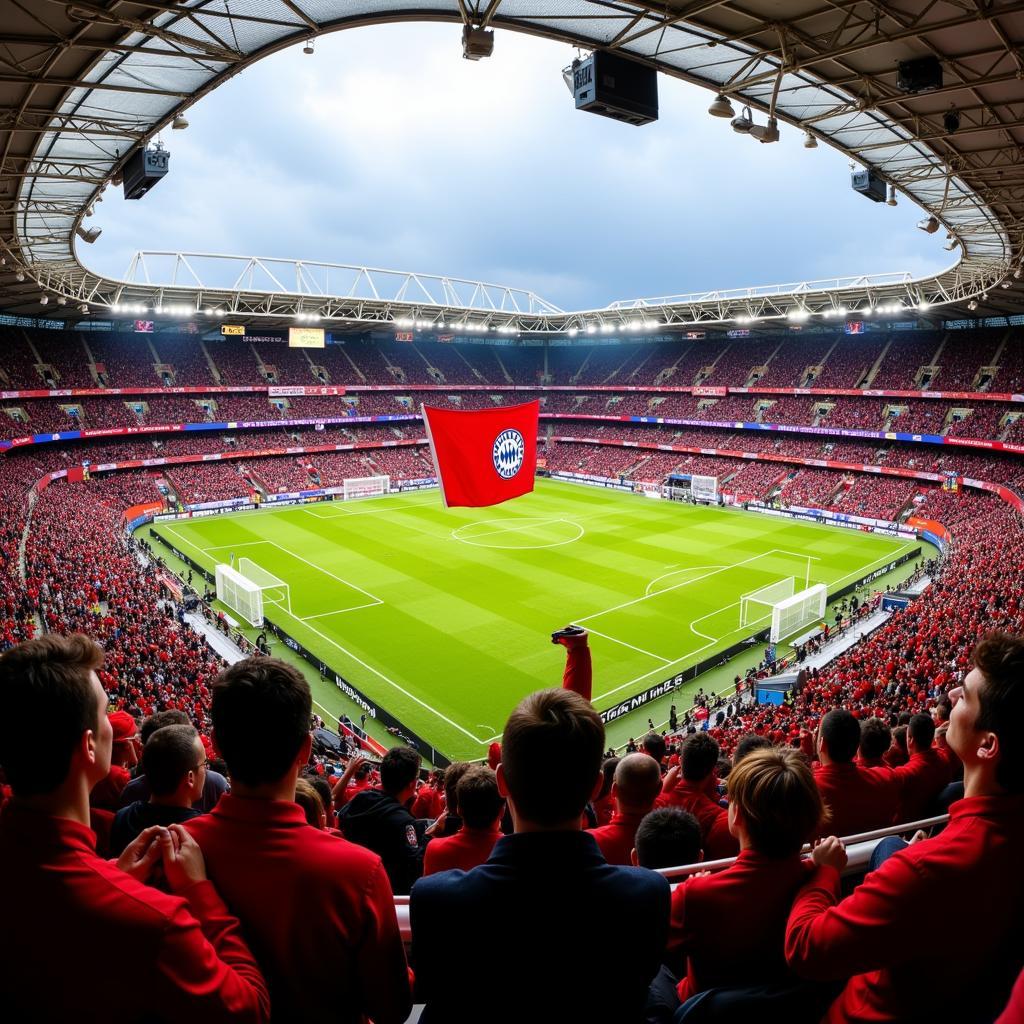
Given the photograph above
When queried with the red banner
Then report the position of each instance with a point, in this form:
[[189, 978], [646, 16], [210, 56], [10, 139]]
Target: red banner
[[483, 456]]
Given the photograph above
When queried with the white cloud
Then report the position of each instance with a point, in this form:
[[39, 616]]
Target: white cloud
[[385, 148]]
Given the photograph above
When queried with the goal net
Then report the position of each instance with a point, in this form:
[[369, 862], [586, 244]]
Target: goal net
[[274, 590], [365, 486], [803, 608], [241, 595], [704, 488], [753, 605]]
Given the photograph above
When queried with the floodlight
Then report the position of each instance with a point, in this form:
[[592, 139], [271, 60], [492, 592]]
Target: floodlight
[[766, 133], [573, 331], [951, 120], [721, 107], [83, 308], [891, 201], [1004, 284], [929, 225], [972, 304], [810, 142], [44, 299], [951, 244], [19, 277], [61, 301], [923, 306], [89, 235], [1016, 274], [744, 122], [179, 124], [307, 49]]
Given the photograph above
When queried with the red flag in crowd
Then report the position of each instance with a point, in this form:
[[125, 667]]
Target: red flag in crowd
[[483, 456]]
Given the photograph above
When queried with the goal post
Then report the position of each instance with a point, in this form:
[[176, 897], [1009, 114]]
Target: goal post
[[754, 603], [803, 608], [276, 591], [704, 488], [365, 486], [241, 595]]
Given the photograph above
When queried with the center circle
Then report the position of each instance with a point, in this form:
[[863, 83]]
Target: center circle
[[520, 534]]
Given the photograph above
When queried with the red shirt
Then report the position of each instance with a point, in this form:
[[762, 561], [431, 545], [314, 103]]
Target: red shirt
[[921, 780], [731, 925], [860, 799], [618, 837], [428, 803], [126, 952], [317, 909], [712, 816], [465, 850], [964, 888]]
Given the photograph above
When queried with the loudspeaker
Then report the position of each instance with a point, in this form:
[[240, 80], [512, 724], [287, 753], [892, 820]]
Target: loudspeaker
[[870, 184], [919, 75], [143, 170], [616, 87]]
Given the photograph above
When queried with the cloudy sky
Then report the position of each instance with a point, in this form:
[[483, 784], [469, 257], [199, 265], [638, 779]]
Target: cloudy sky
[[386, 148]]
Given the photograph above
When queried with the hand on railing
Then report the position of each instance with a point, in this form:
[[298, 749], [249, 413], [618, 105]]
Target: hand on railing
[[829, 852]]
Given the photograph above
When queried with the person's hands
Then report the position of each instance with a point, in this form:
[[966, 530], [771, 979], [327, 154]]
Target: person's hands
[[917, 837], [438, 824], [830, 852], [182, 859], [142, 854], [671, 777]]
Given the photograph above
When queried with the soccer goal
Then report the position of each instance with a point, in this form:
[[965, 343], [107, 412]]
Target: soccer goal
[[365, 486], [274, 590], [803, 608], [756, 605], [241, 595], [704, 488]]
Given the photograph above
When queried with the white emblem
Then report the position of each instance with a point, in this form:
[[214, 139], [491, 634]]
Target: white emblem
[[507, 453]]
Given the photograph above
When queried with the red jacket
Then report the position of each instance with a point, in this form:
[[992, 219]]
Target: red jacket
[[731, 925], [317, 909], [427, 804], [920, 780], [1014, 1012], [126, 952], [712, 816], [617, 838], [464, 850], [860, 799], [964, 886]]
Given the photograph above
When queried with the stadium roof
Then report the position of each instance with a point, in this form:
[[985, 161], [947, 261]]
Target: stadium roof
[[83, 84]]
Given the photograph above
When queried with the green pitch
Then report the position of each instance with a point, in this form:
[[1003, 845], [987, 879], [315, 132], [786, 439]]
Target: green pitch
[[444, 616]]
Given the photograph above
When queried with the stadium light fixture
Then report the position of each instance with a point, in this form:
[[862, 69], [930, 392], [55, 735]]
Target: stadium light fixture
[[591, 329], [307, 49], [891, 201], [972, 304], [573, 331], [83, 308], [798, 315], [742, 123], [810, 142], [1016, 274], [19, 276], [721, 107], [61, 301], [607, 328], [951, 120], [951, 244], [89, 236], [180, 123], [44, 299], [923, 306], [929, 225], [1004, 284], [766, 132]]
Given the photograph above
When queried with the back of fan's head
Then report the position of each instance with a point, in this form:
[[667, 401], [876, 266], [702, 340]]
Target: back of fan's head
[[478, 800], [775, 793], [261, 711], [169, 755], [666, 838], [840, 735], [46, 689], [1000, 659], [551, 756]]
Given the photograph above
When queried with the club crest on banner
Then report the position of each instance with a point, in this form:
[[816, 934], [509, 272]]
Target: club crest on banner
[[509, 449]]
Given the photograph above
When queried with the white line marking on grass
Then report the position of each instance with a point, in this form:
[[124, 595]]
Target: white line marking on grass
[[349, 654], [639, 650], [340, 611], [685, 583], [689, 568], [471, 541]]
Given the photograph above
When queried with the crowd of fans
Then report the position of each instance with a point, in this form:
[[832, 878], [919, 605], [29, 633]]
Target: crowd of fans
[[767, 921]]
